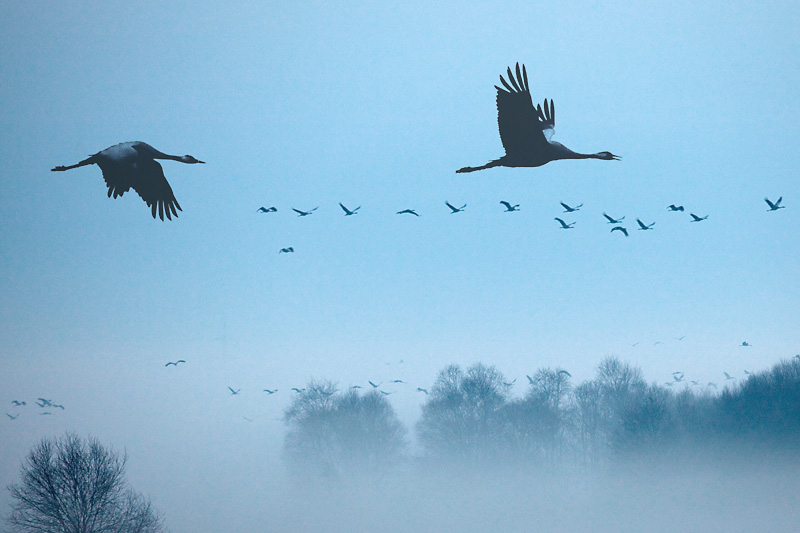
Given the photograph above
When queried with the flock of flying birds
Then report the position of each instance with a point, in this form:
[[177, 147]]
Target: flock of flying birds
[[43, 403]]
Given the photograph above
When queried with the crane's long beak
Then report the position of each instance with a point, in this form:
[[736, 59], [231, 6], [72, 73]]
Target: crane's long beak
[[202, 162]]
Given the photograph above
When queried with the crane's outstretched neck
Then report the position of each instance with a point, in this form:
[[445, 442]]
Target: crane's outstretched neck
[[490, 164]]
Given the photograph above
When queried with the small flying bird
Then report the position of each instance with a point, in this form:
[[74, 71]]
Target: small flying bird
[[745, 343], [263, 209], [386, 393], [656, 343], [568, 209], [728, 376], [420, 389], [635, 344], [300, 391], [454, 209], [525, 131], [304, 213], [619, 228], [44, 413], [643, 226], [509, 383], [246, 418], [44, 403], [673, 207], [348, 212], [288, 250], [397, 381], [680, 338], [374, 386], [510, 207], [133, 165], [747, 372], [530, 379], [678, 379], [711, 384], [18, 403], [12, 417], [696, 218], [612, 220], [565, 373], [234, 392], [408, 212], [564, 225], [356, 387], [175, 363], [270, 391], [694, 382], [669, 383], [775, 206]]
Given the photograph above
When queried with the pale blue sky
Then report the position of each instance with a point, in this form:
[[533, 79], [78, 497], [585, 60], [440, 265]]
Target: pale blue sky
[[310, 104]]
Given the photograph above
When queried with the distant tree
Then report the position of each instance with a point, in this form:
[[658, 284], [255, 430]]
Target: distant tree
[[460, 417], [589, 419], [529, 429], [74, 486], [333, 433], [646, 424]]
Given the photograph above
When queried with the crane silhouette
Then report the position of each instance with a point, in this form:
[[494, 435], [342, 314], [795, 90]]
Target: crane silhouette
[[408, 212], [775, 206], [270, 391], [175, 363], [613, 220], [673, 207], [643, 226], [564, 225], [696, 218], [568, 209], [525, 130], [234, 392], [18, 403], [304, 213], [454, 209], [348, 212], [288, 250], [619, 228], [12, 417], [263, 209], [510, 207], [420, 389], [133, 165]]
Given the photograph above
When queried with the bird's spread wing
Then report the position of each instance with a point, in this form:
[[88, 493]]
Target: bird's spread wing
[[522, 126], [154, 189]]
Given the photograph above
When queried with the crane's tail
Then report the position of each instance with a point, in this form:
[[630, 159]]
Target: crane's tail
[[490, 164]]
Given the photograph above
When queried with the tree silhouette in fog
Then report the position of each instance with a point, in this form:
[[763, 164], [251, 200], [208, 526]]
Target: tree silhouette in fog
[[461, 417], [74, 486], [332, 432]]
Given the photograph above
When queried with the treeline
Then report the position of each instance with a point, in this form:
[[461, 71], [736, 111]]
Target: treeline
[[471, 417]]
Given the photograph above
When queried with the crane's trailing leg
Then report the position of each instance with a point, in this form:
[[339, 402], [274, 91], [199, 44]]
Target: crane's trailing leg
[[490, 164], [88, 161]]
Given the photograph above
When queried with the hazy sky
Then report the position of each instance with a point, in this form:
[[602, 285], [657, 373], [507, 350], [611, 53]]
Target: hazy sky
[[309, 104]]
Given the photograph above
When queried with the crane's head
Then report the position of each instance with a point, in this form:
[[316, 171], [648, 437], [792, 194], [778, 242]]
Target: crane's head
[[191, 160], [608, 156]]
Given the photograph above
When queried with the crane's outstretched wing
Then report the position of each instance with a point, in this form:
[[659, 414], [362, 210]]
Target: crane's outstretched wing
[[523, 127], [152, 186]]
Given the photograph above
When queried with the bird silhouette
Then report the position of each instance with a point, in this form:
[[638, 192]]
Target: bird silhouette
[[408, 212], [531, 381], [175, 363], [775, 206], [673, 207], [42, 402], [133, 165], [263, 209], [454, 209], [613, 220], [397, 381], [564, 225], [348, 212], [711, 384], [12, 417], [386, 393], [510, 207], [619, 228], [420, 389], [643, 226], [565, 373], [58, 405], [270, 391], [728, 376], [696, 218], [356, 387], [18, 403], [298, 390], [288, 250], [234, 392], [304, 213], [374, 386], [568, 209], [745, 343], [525, 130]]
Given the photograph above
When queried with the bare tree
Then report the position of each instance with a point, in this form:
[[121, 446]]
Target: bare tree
[[74, 486]]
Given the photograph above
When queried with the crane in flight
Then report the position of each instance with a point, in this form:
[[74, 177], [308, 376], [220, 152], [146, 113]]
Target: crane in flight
[[288, 250], [643, 226], [775, 206], [133, 165], [696, 218], [619, 228], [18, 403], [263, 209], [304, 213], [270, 391], [234, 392], [348, 212], [568, 209], [510, 207], [420, 389], [673, 207], [454, 209], [525, 130], [408, 212], [564, 225], [175, 363], [612, 220]]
